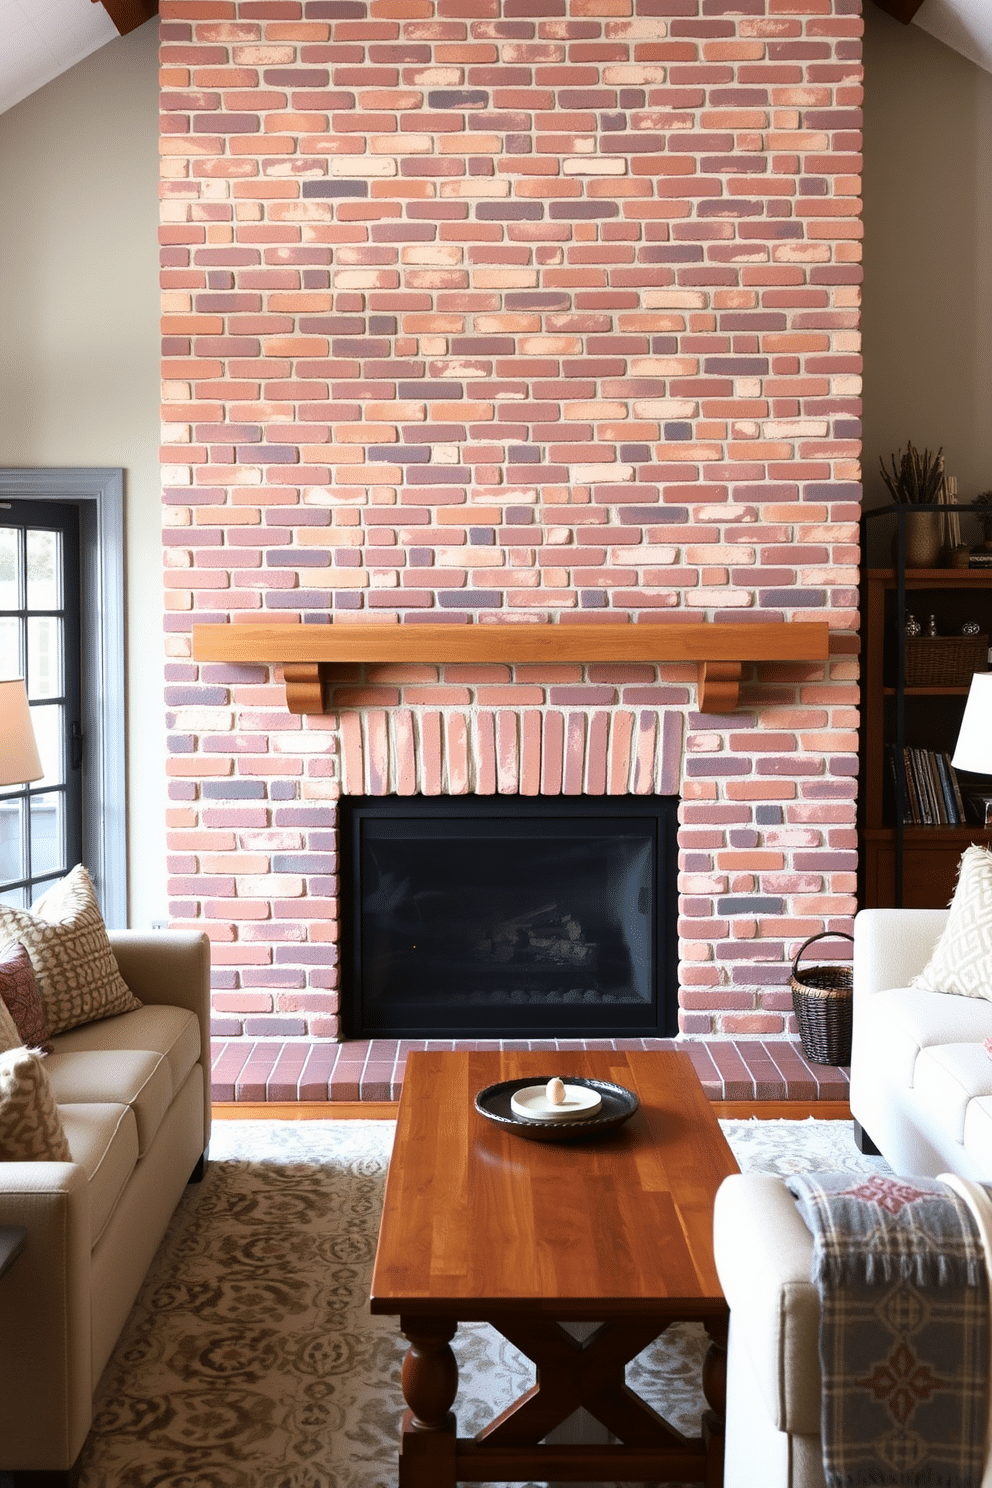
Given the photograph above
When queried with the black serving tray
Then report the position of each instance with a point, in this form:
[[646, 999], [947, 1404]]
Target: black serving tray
[[619, 1104]]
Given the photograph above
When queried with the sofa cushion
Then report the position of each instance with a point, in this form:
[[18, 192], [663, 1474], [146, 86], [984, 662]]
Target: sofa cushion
[[978, 1134], [895, 1025], [172, 1032], [947, 1077], [961, 962], [20, 996], [65, 937], [137, 1078], [30, 1125], [103, 1138]]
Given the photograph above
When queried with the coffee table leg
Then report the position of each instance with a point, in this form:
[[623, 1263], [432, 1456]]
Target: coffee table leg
[[430, 1383], [715, 1391]]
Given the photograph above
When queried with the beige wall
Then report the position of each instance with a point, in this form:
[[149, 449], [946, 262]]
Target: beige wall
[[79, 351], [928, 254]]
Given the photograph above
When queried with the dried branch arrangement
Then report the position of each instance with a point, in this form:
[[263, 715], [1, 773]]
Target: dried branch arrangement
[[951, 520], [917, 480]]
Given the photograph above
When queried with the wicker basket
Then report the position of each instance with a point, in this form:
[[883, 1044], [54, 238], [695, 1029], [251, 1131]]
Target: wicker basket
[[945, 661], [822, 1000]]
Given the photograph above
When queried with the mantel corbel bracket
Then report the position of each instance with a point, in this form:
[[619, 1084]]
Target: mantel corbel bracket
[[307, 653], [304, 686], [718, 686]]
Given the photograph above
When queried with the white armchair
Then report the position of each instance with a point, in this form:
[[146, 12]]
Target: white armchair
[[763, 1255], [921, 1090], [921, 1080], [764, 1258]]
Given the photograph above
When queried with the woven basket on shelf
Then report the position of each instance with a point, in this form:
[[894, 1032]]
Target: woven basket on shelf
[[822, 1000], [945, 661]]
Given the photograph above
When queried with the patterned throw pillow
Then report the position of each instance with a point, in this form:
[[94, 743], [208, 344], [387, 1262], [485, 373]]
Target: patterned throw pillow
[[64, 935], [961, 962], [21, 998], [30, 1125]]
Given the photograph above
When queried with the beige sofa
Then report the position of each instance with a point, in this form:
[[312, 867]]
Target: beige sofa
[[133, 1093]]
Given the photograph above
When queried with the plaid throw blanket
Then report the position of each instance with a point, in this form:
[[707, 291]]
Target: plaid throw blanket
[[904, 1331]]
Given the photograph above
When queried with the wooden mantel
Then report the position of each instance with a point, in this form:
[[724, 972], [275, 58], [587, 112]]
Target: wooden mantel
[[718, 651]]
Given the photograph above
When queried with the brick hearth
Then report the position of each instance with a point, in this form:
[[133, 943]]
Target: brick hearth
[[372, 1069]]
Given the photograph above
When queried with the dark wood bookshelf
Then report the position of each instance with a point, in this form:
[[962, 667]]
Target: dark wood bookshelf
[[915, 865]]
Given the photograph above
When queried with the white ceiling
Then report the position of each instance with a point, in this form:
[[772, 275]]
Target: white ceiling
[[965, 25], [41, 38]]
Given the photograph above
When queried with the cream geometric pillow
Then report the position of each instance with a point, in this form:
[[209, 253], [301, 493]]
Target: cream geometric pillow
[[65, 937], [30, 1125], [961, 962], [9, 1036]]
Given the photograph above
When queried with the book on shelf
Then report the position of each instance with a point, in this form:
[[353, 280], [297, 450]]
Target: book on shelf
[[950, 789], [924, 788], [932, 794], [919, 763], [904, 785], [956, 789]]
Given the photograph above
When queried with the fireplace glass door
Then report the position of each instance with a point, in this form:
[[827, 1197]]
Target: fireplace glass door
[[508, 916]]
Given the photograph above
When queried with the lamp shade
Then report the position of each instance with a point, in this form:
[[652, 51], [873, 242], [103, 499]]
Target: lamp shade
[[19, 761], [974, 747]]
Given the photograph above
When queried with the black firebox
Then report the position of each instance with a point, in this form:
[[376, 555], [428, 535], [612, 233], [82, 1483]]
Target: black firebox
[[509, 916]]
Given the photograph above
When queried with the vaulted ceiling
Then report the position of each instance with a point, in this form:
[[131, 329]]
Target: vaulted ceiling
[[41, 38], [964, 25]]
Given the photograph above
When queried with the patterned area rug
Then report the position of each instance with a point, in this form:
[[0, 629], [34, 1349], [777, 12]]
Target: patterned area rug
[[250, 1359]]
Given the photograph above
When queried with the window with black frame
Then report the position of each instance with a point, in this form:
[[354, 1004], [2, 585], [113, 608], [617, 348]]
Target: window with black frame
[[41, 820]]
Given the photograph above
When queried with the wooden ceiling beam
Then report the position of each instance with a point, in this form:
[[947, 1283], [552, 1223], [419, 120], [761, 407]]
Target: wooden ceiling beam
[[128, 15], [900, 10]]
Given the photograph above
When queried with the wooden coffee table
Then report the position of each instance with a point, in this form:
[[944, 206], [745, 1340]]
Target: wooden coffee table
[[480, 1224]]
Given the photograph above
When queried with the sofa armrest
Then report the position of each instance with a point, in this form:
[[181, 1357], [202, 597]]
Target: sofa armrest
[[170, 967], [46, 1368], [165, 966], [763, 1254], [891, 946]]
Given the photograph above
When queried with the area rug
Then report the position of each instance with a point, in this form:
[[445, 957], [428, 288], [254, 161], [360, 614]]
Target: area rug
[[250, 1359]]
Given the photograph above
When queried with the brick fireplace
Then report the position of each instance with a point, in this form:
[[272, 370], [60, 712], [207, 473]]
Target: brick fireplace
[[510, 313]]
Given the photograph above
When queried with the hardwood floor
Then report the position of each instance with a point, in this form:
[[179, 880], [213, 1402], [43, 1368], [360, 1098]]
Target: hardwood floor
[[782, 1110], [386, 1110], [305, 1110]]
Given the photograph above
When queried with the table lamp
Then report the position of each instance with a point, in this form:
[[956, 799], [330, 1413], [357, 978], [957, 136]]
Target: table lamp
[[19, 761], [973, 750]]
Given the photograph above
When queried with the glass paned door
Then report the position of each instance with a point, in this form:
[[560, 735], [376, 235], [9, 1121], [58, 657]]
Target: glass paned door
[[41, 822]]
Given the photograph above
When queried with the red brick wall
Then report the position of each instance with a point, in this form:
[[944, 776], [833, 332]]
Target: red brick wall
[[523, 311]]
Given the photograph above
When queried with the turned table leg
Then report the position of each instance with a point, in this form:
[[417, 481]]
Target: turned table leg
[[430, 1383], [715, 1391]]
